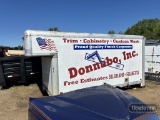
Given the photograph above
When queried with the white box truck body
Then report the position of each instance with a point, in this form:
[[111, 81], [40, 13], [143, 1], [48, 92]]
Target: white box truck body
[[152, 57], [72, 61]]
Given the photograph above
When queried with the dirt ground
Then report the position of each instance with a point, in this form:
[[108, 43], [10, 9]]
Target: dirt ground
[[14, 100], [150, 94]]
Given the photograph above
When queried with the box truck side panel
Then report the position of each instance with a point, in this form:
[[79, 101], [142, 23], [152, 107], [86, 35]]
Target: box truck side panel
[[91, 64], [86, 60]]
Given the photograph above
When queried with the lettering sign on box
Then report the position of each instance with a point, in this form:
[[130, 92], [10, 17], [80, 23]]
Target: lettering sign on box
[[91, 61]]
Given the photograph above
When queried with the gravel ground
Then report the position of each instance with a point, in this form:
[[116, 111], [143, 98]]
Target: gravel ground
[[14, 100]]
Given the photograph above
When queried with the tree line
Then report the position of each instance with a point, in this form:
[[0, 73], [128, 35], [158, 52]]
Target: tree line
[[19, 47], [149, 28]]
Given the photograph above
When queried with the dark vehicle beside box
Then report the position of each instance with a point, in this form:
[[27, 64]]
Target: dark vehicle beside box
[[19, 69]]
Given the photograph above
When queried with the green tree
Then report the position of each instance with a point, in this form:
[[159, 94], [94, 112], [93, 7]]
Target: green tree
[[11, 48], [145, 27], [120, 32], [53, 29], [111, 32], [15, 48], [19, 47], [156, 30]]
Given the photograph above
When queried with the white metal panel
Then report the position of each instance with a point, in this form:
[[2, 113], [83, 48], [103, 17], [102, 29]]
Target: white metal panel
[[69, 58], [47, 74], [153, 49], [76, 59], [27, 43], [152, 58], [81, 35], [79, 57], [50, 74], [149, 65], [55, 78], [152, 64], [157, 50], [31, 47], [149, 50]]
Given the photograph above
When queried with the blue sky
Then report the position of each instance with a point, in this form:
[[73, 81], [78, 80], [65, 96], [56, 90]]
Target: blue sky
[[93, 16]]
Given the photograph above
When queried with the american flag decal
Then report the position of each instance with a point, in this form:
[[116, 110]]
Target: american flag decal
[[45, 44]]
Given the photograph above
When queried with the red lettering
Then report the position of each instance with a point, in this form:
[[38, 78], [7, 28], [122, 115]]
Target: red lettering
[[81, 71], [65, 83], [134, 54], [103, 64], [109, 61], [89, 68], [64, 39], [129, 54], [96, 66], [72, 72], [115, 60], [70, 83]]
